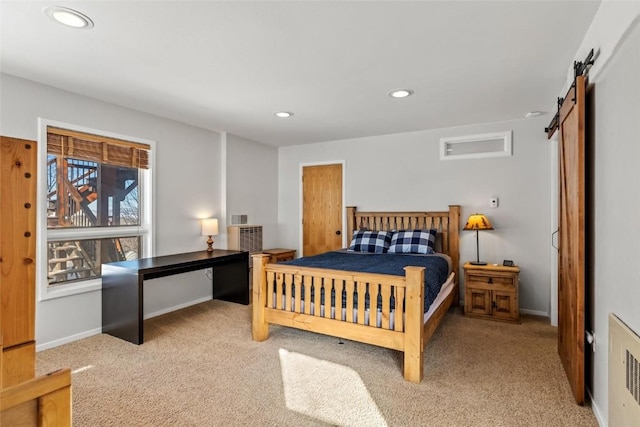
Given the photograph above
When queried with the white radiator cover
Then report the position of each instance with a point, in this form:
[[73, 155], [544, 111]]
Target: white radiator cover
[[245, 238], [624, 374]]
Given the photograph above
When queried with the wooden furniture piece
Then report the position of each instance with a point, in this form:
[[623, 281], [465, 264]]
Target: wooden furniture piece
[[122, 285], [409, 333], [18, 159], [280, 254], [491, 292], [24, 400], [43, 401]]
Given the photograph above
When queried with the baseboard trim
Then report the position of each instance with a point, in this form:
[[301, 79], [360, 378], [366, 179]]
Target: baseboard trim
[[86, 334], [534, 312], [596, 411], [176, 307], [67, 340]]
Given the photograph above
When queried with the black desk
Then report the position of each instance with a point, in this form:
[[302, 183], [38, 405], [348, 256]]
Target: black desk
[[122, 285]]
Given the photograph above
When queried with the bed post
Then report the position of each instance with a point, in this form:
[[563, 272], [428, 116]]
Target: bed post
[[259, 325], [414, 330], [454, 248], [351, 222]]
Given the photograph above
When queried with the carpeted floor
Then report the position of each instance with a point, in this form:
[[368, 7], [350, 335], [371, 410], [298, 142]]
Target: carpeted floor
[[199, 367]]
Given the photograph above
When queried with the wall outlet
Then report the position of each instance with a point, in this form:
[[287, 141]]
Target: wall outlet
[[493, 202]]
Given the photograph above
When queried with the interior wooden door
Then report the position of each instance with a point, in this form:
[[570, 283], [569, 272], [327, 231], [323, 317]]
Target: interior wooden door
[[571, 254], [321, 208]]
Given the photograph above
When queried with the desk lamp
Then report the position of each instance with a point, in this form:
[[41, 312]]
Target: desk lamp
[[210, 228]]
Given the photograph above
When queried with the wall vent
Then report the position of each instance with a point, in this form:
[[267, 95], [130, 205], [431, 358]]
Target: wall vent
[[238, 219], [245, 238], [633, 377], [624, 374]]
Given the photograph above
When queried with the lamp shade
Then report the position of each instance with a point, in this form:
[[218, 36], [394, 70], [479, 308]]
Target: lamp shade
[[478, 222], [210, 227]]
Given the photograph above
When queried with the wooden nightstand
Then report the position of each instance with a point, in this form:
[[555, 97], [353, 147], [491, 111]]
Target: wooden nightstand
[[491, 292], [279, 254]]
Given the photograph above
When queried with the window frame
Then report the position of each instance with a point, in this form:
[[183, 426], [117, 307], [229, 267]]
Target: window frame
[[505, 137], [146, 229]]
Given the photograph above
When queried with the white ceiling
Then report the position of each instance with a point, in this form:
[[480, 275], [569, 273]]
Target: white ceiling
[[228, 66]]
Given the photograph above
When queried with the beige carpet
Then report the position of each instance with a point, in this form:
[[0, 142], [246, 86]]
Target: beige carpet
[[327, 391], [199, 367]]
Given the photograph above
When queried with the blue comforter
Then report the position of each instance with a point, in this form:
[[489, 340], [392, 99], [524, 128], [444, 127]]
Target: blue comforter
[[436, 272]]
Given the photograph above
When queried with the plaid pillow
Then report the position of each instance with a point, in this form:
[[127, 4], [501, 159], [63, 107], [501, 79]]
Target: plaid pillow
[[413, 242], [370, 241]]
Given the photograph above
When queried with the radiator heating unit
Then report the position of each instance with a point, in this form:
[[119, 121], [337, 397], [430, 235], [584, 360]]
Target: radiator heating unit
[[245, 238], [624, 374]]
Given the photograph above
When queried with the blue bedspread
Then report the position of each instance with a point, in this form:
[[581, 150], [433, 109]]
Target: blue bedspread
[[436, 272]]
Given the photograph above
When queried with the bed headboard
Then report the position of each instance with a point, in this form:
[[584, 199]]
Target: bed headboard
[[447, 223]]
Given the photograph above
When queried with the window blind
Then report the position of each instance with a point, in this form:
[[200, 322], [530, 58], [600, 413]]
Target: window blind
[[96, 148]]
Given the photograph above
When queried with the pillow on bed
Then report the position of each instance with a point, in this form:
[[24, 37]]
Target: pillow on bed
[[413, 242], [370, 241]]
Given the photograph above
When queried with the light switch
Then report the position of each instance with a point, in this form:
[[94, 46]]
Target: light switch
[[493, 202]]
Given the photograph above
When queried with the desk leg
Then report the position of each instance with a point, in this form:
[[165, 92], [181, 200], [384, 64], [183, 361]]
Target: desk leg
[[122, 304], [231, 282]]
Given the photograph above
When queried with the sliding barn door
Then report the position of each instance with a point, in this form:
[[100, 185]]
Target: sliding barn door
[[571, 255], [321, 208]]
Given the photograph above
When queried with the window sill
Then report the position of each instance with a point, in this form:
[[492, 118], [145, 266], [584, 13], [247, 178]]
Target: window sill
[[59, 291]]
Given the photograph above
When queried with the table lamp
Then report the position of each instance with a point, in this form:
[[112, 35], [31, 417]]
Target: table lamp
[[210, 228], [478, 222]]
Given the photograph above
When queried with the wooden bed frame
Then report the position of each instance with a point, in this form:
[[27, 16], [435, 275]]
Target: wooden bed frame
[[408, 334], [43, 401]]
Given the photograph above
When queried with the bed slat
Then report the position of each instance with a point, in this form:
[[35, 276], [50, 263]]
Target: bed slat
[[297, 292], [362, 294], [279, 289], [386, 314], [270, 288], [399, 320], [348, 286], [328, 285], [337, 285], [308, 286], [317, 294]]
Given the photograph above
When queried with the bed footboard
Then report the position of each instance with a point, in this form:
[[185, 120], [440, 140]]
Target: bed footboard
[[337, 303]]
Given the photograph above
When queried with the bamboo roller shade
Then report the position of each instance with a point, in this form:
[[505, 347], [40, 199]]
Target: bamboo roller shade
[[96, 148]]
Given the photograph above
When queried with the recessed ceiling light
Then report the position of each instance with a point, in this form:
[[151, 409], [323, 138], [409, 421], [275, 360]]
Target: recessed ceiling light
[[400, 93], [68, 17], [283, 114], [533, 114]]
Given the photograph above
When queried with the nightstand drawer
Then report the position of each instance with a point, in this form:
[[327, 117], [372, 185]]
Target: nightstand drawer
[[491, 281]]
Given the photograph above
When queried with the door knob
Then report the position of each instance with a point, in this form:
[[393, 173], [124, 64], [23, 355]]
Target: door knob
[[338, 232]]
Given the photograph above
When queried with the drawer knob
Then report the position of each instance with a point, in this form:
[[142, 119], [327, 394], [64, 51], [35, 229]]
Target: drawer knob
[[490, 280]]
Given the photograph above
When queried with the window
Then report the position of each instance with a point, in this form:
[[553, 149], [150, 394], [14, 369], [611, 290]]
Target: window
[[97, 189], [476, 146]]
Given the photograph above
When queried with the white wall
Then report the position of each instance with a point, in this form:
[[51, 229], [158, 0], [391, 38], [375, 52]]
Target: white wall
[[252, 184], [616, 97], [403, 172], [187, 187]]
